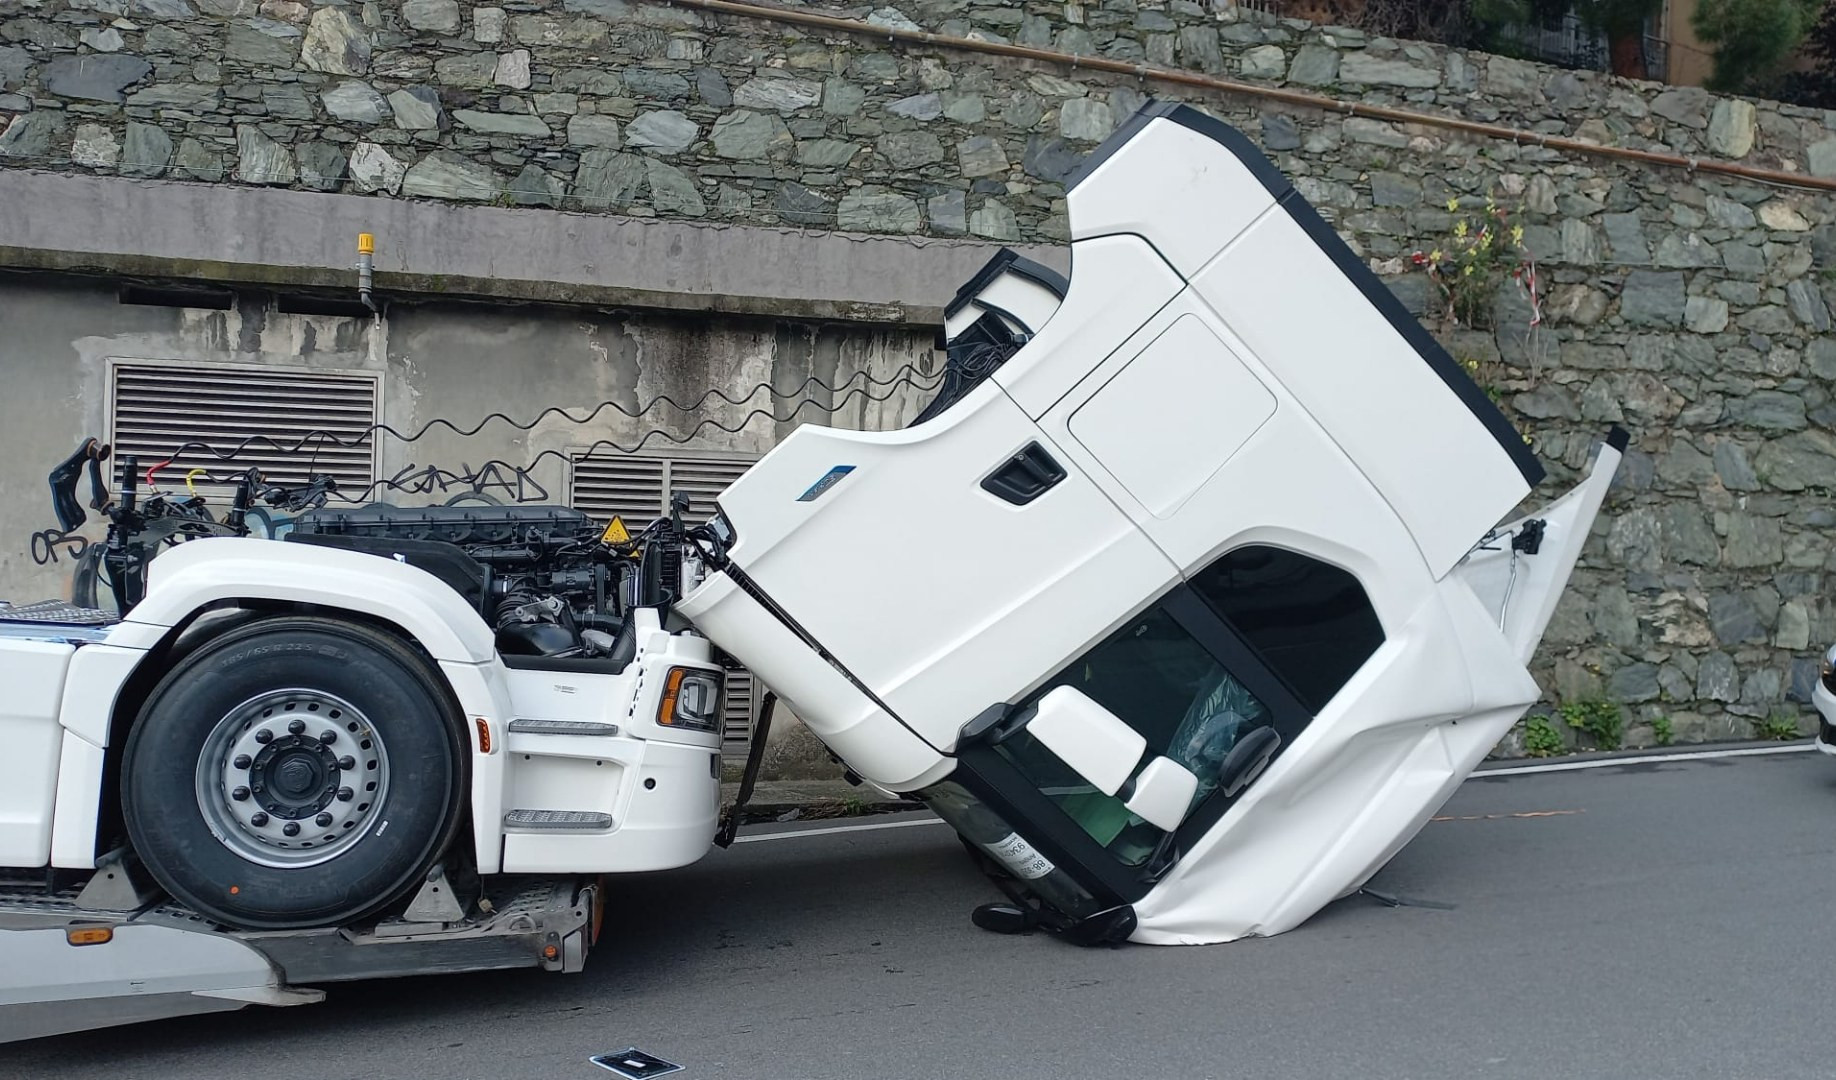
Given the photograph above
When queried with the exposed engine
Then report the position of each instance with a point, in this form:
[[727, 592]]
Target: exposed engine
[[544, 577], [549, 580]]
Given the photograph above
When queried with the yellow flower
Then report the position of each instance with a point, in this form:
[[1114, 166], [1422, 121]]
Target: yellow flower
[[1468, 272], [1517, 234], [1459, 230], [1435, 255], [1453, 204]]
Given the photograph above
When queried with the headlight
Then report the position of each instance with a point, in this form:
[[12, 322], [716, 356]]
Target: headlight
[[691, 699]]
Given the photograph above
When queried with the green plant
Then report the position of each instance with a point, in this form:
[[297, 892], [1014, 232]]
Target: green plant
[[1778, 727], [1752, 39], [1541, 739], [1474, 368], [1600, 719], [1474, 260], [1660, 729]]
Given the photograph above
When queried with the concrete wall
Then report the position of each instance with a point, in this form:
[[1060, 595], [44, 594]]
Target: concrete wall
[[461, 362]]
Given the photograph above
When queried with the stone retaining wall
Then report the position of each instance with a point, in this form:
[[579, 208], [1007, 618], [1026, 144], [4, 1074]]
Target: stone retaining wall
[[1693, 309]]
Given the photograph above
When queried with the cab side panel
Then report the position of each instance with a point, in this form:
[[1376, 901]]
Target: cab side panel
[[33, 674], [938, 592]]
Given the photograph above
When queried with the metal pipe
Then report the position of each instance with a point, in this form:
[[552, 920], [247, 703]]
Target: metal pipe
[[366, 249], [1268, 93]]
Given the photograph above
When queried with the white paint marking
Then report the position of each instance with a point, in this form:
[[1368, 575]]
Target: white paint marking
[[1517, 770], [1642, 759], [796, 833]]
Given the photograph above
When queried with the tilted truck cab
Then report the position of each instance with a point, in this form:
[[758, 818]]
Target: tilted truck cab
[[1189, 602]]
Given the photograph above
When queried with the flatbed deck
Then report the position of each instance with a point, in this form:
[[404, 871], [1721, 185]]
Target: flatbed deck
[[68, 965]]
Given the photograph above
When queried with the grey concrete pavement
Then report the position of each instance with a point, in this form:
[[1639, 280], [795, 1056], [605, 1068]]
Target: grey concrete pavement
[[1642, 920]]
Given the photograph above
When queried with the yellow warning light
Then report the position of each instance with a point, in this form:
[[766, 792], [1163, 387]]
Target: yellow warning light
[[89, 935]]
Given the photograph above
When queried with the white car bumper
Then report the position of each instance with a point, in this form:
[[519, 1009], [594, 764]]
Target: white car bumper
[[1826, 713]]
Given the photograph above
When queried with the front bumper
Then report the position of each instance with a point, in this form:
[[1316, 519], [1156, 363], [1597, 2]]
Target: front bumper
[[1825, 703]]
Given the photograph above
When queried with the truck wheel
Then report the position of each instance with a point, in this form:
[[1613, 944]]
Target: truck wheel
[[296, 772]]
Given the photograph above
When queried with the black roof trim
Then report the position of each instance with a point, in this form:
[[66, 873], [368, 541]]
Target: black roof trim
[[1007, 260], [1342, 257], [1392, 309], [1186, 116]]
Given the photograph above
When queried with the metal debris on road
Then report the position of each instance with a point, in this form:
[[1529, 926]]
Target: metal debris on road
[[634, 1064]]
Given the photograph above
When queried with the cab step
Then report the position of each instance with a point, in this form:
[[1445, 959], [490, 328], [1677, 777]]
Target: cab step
[[556, 821], [561, 727]]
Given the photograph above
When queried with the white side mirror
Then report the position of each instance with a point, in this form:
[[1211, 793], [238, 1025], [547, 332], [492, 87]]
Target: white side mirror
[[1089, 738], [1163, 793]]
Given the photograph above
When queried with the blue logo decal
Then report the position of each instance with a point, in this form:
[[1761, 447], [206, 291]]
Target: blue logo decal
[[829, 480]]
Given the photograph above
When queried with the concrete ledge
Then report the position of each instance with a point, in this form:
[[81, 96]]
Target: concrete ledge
[[276, 238]]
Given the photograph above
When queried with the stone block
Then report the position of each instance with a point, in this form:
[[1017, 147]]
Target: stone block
[[884, 212], [446, 175]]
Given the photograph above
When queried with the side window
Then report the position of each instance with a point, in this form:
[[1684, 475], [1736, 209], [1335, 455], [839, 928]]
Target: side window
[[1309, 621], [1163, 682]]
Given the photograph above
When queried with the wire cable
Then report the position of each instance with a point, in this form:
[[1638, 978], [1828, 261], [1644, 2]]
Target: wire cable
[[419, 480]]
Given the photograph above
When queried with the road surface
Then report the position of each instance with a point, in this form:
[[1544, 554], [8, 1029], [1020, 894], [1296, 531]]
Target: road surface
[[1644, 920]]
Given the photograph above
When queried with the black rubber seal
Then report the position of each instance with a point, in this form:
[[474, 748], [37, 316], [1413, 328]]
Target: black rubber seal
[[1619, 438]]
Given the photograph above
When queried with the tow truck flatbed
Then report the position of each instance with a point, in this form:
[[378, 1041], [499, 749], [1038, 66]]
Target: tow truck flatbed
[[73, 967]]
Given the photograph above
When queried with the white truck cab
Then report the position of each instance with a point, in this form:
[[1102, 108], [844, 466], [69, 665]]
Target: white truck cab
[[1193, 605]]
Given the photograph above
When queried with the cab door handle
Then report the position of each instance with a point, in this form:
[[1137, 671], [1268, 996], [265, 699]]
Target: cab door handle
[[1025, 476]]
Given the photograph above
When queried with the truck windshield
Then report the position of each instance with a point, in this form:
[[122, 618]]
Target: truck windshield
[[1168, 673], [1260, 638], [1159, 679]]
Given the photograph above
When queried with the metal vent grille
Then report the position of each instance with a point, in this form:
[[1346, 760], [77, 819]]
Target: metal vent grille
[[742, 702], [157, 408], [627, 487], [637, 488]]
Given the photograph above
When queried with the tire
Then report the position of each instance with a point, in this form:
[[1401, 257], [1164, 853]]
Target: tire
[[214, 771]]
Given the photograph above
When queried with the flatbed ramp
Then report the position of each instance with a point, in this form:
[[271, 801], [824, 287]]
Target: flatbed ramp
[[66, 966]]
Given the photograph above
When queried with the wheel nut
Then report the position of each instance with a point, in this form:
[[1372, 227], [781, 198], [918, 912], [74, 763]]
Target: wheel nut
[[347, 763], [346, 794], [328, 736], [240, 794], [242, 761], [258, 819], [323, 821], [264, 736], [292, 828], [296, 726]]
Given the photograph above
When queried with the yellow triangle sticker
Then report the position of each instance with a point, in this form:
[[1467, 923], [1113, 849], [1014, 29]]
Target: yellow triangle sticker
[[615, 532]]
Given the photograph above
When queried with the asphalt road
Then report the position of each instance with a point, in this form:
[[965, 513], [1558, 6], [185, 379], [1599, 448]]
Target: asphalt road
[[1654, 920]]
